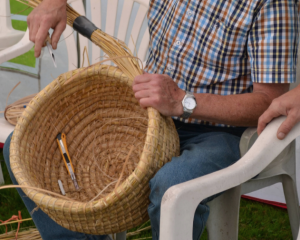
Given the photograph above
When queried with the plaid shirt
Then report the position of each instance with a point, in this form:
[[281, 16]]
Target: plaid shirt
[[222, 46]]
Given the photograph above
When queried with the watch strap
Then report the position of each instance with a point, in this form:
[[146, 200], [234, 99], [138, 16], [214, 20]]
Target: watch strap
[[187, 112]]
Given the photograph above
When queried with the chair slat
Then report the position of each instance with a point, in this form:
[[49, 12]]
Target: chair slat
[[145, 3], [96, 19], [137, 27], [84, 42], [112, 6], [71, 45], [142, 52], [126, 13]]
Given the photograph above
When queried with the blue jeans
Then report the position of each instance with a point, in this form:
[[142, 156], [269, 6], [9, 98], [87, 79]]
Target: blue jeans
[[48, 229], [203, 150]]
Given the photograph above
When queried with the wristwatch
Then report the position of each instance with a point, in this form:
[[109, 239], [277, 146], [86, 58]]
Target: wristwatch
[[189, 104]]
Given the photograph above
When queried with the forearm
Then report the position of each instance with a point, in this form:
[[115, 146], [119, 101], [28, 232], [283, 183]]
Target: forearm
[[162, 93], [235, 110]]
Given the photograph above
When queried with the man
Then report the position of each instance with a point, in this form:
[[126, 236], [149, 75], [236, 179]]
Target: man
[[215, 66]]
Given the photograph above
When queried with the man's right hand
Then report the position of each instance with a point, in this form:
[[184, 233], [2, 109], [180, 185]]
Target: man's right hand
[[49, 14]]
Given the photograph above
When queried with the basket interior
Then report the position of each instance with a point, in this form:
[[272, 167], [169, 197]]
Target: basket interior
[[102, 121]]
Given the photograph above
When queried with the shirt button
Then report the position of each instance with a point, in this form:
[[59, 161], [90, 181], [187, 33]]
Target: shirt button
[[189, 13], [177, 43], [170, 68]]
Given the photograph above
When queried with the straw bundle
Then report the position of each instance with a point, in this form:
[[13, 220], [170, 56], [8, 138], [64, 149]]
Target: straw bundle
[[116, 147]]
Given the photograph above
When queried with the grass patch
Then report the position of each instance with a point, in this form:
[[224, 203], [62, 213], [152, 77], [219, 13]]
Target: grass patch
[[11, 202], [17, 8], [26, 59], [258, 221], [19, 25]]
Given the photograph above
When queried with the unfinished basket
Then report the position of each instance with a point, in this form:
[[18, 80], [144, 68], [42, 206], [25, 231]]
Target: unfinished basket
[[14, 111], [105, 126]]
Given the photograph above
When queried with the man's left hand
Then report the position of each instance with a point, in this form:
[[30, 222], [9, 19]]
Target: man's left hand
[[160, 92]]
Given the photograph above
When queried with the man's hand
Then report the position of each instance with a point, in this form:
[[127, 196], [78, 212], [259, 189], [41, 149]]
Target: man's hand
[[49, 14], [287, 105], [160, 92]]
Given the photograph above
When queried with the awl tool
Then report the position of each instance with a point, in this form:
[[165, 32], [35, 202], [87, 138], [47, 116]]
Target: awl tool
[[51, 53], [62, 143]]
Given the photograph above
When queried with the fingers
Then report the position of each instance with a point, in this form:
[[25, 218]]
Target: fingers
[[145, 77], [264, 119], [40, 38], [57, 33], [49, 14], [287, 125], [147, 102], [140, 87], [142, 94], [33, 28]]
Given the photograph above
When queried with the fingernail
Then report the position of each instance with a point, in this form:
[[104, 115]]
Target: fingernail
[[54, 45], [281, 135]]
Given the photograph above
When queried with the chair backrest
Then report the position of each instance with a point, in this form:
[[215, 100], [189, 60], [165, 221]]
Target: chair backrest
[[8, 35], [298, 71], [125, 20]]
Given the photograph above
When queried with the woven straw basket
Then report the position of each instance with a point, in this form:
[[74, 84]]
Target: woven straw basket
[[104, 125]]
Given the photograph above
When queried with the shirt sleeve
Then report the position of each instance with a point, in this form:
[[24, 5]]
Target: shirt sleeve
[[273, 42]]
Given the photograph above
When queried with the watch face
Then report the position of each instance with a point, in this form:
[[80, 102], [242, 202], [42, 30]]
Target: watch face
[[190, 103]]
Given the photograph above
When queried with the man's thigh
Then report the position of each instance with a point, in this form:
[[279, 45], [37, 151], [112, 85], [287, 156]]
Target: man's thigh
[[200, 155]]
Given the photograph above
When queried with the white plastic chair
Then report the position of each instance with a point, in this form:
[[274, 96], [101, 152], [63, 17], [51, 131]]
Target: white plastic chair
[[110, 26], [281, 169], [8, 35], [180, 202]]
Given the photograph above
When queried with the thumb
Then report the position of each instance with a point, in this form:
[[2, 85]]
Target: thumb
[[286, 126]]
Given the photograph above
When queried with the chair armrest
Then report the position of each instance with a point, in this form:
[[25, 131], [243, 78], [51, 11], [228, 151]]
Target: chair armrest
[[247, 140], [180, 201], [5, 129], [23, 46]]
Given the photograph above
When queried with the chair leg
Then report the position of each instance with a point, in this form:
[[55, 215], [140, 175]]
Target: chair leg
[[1, 176], [118, 236], [121, 236], [292, 203], [223, 218]]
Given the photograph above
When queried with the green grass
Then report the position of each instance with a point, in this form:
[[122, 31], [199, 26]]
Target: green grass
[[10, 202], [17, 8], [257, 221]]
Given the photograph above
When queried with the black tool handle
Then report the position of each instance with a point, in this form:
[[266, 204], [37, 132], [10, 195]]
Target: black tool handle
[[84, 26]]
